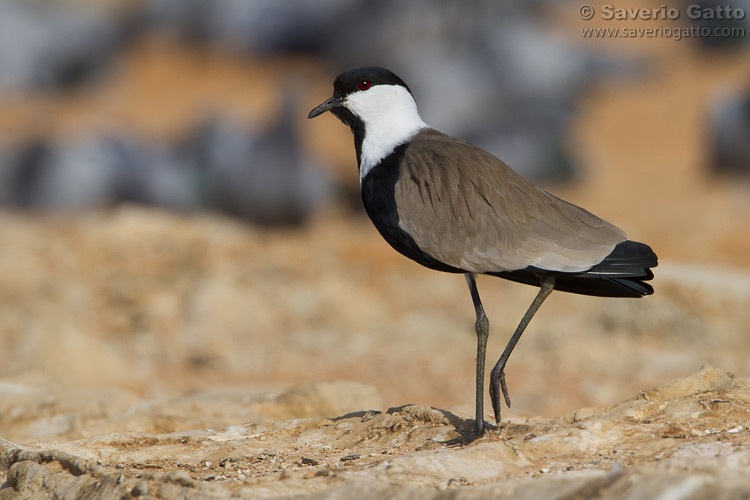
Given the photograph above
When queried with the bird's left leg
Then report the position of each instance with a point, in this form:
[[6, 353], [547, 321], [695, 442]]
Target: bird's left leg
[[497, 376]]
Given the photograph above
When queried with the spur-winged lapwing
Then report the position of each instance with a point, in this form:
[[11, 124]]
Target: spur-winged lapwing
[[453, 207]]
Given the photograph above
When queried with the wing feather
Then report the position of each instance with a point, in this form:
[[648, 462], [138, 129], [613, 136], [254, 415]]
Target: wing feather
[[497, 221]]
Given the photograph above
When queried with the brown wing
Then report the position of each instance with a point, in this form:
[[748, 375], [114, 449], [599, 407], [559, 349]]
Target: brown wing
[[468, 209]]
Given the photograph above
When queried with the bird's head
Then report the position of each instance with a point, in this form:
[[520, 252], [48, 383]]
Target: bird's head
[[365, 92], [379, 108]]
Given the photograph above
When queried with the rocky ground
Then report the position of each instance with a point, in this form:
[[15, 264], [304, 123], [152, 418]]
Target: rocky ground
[[687, 439], [191, 356], [165, 356]]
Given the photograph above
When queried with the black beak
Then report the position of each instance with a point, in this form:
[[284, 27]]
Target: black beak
[[331, 103]]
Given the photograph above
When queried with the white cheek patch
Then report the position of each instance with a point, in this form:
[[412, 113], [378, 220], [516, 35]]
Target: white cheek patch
[[391, 118]]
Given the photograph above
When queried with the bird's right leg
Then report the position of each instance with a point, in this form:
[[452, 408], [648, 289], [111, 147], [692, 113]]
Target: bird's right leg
[[482, 329]]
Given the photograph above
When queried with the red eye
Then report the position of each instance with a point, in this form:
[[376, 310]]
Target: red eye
[[364, 85]]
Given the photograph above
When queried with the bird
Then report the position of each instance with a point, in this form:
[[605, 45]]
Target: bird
[[452, 207]]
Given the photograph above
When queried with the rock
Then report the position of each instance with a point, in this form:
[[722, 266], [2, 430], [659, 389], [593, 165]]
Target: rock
[[264, 27], [262, 176], [326, 399], [57, 47], [38, 408], [729, 128], [690, 436], [708, 378]]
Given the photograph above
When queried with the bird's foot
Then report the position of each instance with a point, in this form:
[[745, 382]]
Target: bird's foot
[[504, 387], [463, 439], [497, 384], [467, 438]]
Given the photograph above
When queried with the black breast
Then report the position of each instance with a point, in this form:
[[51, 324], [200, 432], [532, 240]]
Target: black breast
[[378, 188]]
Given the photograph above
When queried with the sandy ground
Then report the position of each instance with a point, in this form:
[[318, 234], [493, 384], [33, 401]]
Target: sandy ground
[[172, 356]]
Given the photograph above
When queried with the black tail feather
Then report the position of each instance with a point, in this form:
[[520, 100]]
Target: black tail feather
[[621, 274]]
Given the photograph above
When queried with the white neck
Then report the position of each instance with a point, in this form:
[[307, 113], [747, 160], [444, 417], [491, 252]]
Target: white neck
[[391, 118]]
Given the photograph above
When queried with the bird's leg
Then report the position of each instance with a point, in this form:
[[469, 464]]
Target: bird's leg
[[482, 328], [497, 376]]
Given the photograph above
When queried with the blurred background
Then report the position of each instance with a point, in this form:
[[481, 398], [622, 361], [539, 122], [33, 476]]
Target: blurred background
[[171, 223]]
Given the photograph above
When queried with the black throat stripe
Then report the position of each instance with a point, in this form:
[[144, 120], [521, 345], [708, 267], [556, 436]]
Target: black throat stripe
[[378, 196]]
